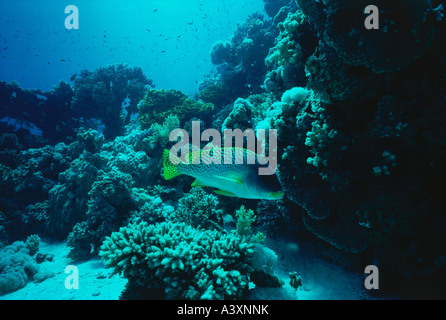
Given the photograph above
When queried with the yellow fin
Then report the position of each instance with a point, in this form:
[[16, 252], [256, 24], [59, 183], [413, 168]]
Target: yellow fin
[[170, 170], [235, 179], [197, 184], [225, 193]]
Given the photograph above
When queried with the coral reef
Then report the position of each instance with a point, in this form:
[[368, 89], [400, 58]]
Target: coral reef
[[221, 52], [216, 93], [68, 199], [100, 94], [25, 186], [45, 114], [240, 116], [403, 30], [245, 218], [110, 201], [349, 146], [240, 60], [361, 143], [273, 7], [176, 261], [91, 139], [158, 140], [158, 104], [286, 60], [273, 217], [199, 210]]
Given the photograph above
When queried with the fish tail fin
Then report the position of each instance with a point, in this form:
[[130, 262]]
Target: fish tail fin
[[170, 170]]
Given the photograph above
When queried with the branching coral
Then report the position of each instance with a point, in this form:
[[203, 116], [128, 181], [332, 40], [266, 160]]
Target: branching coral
[[199, 210], [245, 218], [152, 211], [33, 243], [175, 261]]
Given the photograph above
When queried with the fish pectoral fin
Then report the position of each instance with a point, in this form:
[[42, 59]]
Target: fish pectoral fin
[[197, 183], [224, 193], [234, 179]]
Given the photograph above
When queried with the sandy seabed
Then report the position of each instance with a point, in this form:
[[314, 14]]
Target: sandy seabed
[[322, 280]]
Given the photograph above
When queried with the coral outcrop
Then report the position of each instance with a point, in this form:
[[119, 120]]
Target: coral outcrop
[[176, 261], [158, 104], [100, 94]]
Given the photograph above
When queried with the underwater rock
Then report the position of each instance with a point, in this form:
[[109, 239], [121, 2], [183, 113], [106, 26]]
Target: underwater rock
[[404, 33], [17, 267], [42, 257]]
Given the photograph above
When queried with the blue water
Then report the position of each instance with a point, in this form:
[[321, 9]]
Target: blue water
[[169, 39]]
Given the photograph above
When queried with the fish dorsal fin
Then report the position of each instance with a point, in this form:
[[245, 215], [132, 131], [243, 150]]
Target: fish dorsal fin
[[197, 183], [224, 193]]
